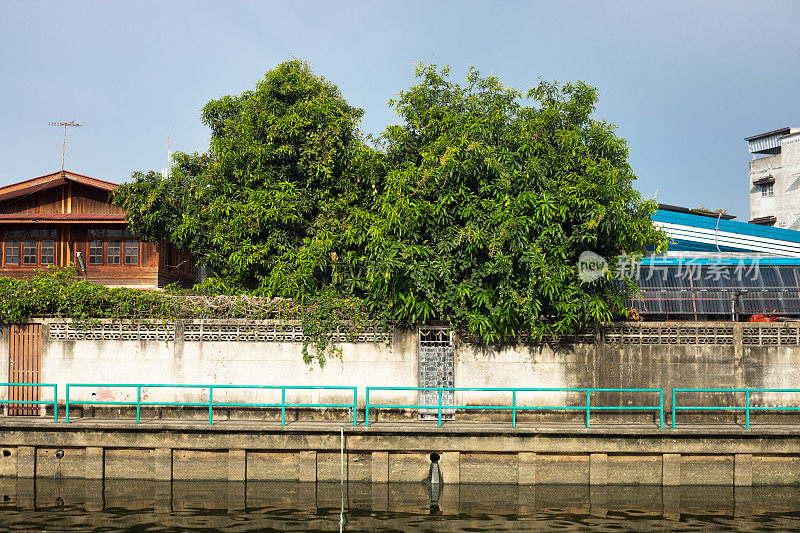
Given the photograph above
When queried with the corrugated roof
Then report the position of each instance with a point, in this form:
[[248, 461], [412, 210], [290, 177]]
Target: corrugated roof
[[66, 217]]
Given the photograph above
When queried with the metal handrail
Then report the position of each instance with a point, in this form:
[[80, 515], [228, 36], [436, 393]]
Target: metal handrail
[[514, 407], [210, 403], [746, 407], [38, 402]]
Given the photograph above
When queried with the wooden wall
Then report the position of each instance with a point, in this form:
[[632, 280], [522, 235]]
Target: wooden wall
[[159, 263]]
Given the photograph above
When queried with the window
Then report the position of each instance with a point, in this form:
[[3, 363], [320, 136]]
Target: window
[[95, 252], [112, 247], [131, 252], [48, 252], [33, 247], [768, 189], [12, 252]]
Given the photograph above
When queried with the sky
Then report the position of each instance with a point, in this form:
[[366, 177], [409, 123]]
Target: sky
[[684, 81]]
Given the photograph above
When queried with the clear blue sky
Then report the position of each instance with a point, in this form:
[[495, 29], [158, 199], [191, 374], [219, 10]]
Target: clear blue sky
[[685, 81]]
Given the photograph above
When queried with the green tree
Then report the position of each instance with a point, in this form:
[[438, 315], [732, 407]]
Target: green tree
[[491, 196], [472, 211], [267, 206]]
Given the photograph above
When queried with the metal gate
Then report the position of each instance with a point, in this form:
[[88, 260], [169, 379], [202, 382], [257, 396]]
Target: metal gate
[[436, 369], [24, 366]]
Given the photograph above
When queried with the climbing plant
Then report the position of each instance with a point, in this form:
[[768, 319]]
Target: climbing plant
[[58, 293]]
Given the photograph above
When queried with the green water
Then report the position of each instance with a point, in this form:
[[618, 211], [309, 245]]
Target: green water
[[77, 505]]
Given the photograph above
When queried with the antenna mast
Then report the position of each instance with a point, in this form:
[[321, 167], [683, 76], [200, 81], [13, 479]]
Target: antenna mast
[[71, 123]]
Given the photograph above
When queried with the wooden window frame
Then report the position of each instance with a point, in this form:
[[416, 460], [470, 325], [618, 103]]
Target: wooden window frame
[[22, 239], [124, 238]]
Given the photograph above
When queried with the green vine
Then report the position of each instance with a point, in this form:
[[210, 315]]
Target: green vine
[[326, 320]]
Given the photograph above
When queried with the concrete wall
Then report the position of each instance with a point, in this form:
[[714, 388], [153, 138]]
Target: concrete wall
[[646, 355], [242, 452]]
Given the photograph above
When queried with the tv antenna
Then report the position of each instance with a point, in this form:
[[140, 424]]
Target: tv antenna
[[72, 124]]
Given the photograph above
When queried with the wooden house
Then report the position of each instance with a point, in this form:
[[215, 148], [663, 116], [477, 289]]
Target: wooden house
[[66, 219]]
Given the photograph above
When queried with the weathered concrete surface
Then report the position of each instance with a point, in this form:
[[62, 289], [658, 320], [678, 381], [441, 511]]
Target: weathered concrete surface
[[663, 355], [184, 450]]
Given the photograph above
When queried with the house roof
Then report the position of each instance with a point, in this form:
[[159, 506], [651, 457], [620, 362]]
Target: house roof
[[690, 211], [62, 217], [781, 131], [53, 179]]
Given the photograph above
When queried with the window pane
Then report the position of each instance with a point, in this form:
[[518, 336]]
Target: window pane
[[32, 233], [114, 252], [48, 252], [131, 252], [128, 234], [96, 252], [96, 232], [48, 232], [12, 252], [29, 252], [114, 232], [13, 233]]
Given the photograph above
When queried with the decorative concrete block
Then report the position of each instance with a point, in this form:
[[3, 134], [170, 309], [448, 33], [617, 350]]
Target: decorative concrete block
[[237, 465], [500, 468], [26, 462], [743, 469], [598, 469], [307, 466], [93, 459], [130, 463], [163, 464], [671, 469], [380, 467], [526, 465]]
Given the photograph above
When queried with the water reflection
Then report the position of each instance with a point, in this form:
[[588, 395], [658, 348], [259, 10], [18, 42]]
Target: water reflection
[[78, 505]]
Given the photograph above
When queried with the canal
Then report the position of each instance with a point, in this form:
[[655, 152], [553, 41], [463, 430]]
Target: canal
[[81, 505]]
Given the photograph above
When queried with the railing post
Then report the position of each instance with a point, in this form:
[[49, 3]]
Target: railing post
[[514, 408], [210, 403], [355, 406], [66, 408], [588, 406], [55, 402], [661, 408], [440, 406], [673, 408], [138, 401], [366, 409], [747, 409], [283, 406]]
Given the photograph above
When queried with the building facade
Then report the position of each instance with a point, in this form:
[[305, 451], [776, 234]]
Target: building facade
[[775, 178], [67, 219]]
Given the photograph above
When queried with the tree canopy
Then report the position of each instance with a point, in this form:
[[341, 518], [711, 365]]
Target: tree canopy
[[472, 211]]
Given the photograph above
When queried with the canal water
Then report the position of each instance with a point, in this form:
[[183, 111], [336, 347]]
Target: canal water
[[96, 506]]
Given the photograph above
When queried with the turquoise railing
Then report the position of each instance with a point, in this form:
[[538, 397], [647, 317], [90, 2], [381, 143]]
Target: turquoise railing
[[54, 401], [210, 403], [513, 406], [746, 407]]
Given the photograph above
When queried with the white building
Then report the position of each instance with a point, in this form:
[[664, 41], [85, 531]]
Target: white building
[[775, 178]]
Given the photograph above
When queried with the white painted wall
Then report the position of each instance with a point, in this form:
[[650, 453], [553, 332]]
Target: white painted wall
[[785, 168]]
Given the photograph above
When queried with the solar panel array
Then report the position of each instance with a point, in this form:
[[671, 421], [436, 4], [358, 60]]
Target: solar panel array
[[715, 291]]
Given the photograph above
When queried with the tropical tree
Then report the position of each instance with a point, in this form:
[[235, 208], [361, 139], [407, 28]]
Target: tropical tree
[[267, 206], [491, 196], [472, 211]]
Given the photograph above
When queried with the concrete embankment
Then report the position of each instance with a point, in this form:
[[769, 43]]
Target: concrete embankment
[[400, 452]]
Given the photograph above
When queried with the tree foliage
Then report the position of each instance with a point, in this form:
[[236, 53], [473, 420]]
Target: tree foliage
[[491, 196], [266, 207], [471, 211]]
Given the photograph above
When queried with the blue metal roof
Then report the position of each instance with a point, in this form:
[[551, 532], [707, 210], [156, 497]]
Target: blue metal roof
[[732, 226]]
